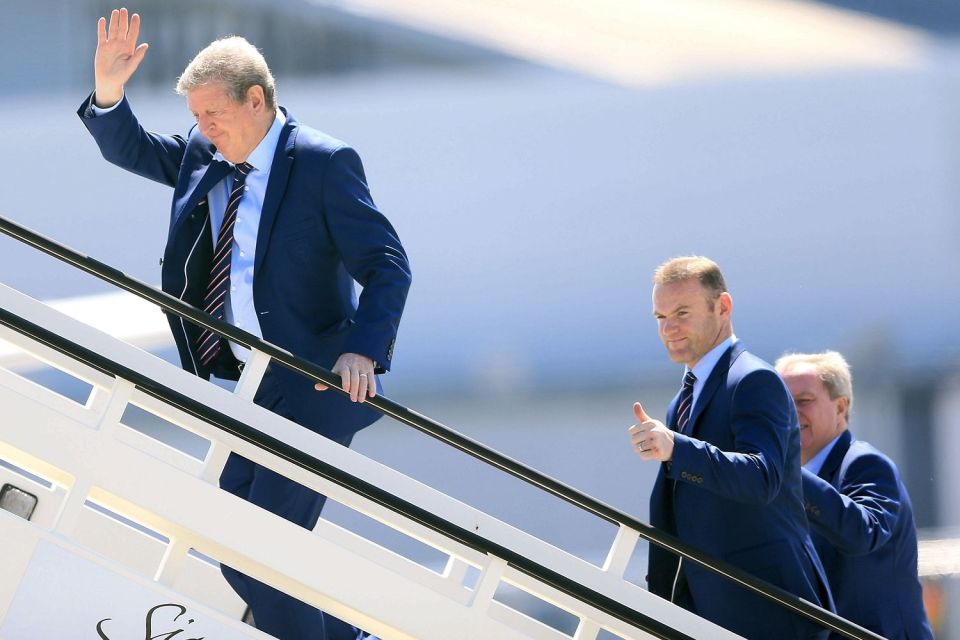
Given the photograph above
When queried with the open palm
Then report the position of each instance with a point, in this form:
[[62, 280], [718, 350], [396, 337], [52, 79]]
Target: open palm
[[118, 55]]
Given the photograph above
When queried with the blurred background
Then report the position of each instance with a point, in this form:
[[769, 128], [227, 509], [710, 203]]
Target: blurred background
[[539, 158]]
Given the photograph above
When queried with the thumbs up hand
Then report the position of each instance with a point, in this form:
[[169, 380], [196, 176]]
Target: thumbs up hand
[[651, 440], [640, 413]]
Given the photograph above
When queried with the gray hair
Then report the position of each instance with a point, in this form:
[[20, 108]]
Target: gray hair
[[235, 63], [832, 369]]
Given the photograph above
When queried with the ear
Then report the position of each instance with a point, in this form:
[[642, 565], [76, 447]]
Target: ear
[[843, 403], [256, 97], [725, 300]]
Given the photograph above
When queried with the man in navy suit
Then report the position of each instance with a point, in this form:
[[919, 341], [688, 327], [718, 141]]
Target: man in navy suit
[[729, 478], [304, 228], [857, 504]]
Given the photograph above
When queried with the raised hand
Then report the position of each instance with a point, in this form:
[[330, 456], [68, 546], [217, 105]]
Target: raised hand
[[118, 56]]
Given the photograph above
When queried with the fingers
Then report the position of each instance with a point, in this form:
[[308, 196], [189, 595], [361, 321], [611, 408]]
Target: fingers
[[637, 436], [362, 384], [644, 443], [114, 19], [354, 384], [648, 444], [134, 31], [345, 380], [639, 433], [650, 439], [356, 377], [123, 24], [139, 53], [640, 413]]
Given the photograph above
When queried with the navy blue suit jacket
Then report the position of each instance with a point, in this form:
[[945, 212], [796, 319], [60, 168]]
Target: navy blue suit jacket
[[863, 529], [319, 232], [733, 490]]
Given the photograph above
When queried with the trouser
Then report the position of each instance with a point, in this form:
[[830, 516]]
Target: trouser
[[275, 612]]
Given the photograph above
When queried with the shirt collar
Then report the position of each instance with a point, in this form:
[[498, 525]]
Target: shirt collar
[[262, 155], [815, 464], [703, 368]]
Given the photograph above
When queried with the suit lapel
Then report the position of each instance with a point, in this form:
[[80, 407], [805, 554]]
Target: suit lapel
[[202, 179], [832, 464], [276, 186], [713, 383]]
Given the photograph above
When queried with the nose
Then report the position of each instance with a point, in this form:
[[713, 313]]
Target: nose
[[666, 326], [205, 125]]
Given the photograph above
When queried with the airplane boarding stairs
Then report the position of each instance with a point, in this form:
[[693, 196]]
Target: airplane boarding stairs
[[76, 568]]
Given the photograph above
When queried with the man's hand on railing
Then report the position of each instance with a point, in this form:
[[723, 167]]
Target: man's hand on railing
[[356, 372]]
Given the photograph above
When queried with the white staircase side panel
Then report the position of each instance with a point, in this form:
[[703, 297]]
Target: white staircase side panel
[[312, 568], [20, 540], [89, 455], [51, 589]]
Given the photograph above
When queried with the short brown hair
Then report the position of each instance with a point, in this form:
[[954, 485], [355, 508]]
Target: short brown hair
[[705, 270]]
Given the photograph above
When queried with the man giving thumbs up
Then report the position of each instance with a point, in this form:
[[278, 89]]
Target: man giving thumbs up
[[729, 480]]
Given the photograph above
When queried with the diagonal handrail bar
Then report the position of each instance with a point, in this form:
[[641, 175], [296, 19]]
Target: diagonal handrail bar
[[384, 405]]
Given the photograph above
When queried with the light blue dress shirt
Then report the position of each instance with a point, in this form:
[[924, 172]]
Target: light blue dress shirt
[[240, 310], [815, 463]]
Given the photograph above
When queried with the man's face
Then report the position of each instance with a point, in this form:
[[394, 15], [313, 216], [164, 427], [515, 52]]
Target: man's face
[[821, 419], [688, 327], [235, 128]]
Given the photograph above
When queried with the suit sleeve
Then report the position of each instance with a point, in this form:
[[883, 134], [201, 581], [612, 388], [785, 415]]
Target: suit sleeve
[[125, 143], [371, 252], [760, 421], [859, 517]]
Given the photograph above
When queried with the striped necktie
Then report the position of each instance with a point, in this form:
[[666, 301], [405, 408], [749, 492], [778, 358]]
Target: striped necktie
[[686, 401], [209, 343]]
